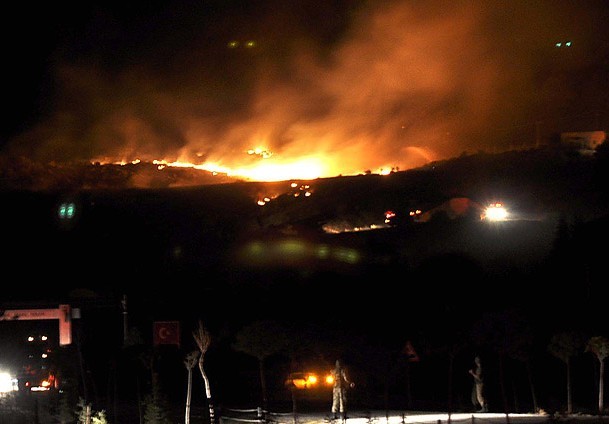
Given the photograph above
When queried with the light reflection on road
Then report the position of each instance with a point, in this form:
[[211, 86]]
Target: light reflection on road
[[422, 417], [395, 417]]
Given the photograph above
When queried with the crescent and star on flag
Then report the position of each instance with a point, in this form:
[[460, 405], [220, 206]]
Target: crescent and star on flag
[[166, 333]]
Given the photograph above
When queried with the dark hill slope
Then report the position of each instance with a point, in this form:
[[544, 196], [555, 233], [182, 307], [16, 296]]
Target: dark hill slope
[[204, 232]]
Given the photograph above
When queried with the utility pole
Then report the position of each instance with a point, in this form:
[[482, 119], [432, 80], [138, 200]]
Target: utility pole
[[125, 326]]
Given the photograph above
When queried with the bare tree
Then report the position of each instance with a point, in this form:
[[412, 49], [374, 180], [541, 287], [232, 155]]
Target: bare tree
[[203, 340], [599, 345], [564, 346], [190, 362]]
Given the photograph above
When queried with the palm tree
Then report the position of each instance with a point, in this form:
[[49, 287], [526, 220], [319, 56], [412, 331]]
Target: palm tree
[[203, 340], [564, 346], [189, 362], [599, 345]]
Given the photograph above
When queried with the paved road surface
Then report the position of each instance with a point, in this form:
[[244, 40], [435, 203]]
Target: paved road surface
[[414, 417]]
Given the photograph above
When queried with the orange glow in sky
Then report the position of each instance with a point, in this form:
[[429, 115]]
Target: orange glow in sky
[[389, 86]]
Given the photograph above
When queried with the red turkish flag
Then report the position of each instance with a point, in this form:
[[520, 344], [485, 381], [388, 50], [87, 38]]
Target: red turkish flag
[[166, 333]]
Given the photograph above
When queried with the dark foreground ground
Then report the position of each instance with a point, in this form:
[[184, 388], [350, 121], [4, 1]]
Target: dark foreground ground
[[39, 410]]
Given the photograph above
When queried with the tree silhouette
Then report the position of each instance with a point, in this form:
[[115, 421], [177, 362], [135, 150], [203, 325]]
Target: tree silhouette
[[599, 345], [520, 347], [508, 334], [564, 346], [262, 339]]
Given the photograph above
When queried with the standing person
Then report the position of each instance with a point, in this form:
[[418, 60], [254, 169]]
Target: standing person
[[339, 392], [478, 399]]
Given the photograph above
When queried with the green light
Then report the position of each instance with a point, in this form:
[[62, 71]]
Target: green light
[[66, 210]]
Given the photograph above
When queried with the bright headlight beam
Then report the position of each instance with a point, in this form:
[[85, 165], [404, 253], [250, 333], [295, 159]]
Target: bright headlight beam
[[495, 212]]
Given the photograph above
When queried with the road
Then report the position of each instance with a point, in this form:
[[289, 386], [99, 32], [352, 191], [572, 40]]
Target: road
[[403, 417]]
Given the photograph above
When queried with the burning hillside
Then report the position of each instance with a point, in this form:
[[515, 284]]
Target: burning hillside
[[24, 174]]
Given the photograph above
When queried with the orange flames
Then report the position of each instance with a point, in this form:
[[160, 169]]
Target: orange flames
[[270, 167]]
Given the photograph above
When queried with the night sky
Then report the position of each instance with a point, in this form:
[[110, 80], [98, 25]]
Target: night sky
[[354, 85]]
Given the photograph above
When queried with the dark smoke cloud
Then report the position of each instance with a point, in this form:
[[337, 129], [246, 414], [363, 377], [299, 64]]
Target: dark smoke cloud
[[366, 85]]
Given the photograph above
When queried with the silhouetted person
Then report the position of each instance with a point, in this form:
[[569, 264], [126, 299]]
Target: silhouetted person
[[339, 392], [478, 399]]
